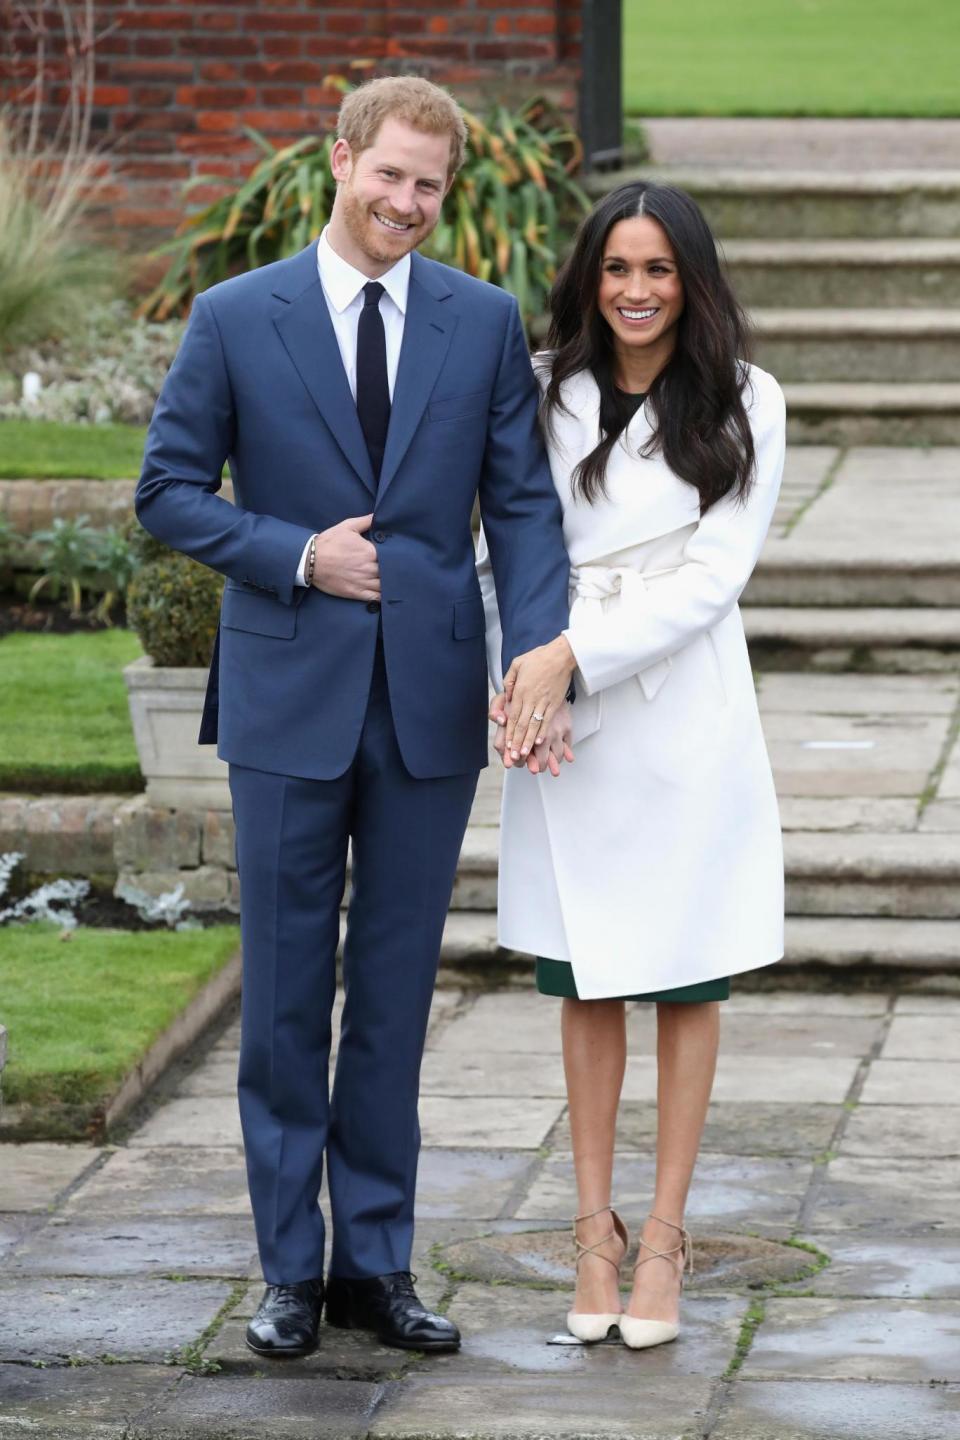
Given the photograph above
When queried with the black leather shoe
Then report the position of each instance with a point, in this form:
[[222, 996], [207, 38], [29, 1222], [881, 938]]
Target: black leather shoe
[[286, 1323], [388, 1305]]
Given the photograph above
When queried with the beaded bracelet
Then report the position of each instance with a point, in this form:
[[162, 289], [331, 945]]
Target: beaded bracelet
[[311, 560]]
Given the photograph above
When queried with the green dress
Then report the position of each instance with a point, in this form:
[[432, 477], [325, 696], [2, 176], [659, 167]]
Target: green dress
[[555, 977]]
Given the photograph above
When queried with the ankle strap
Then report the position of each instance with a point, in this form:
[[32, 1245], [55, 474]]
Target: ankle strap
[[616, 1232], [684, 1249]]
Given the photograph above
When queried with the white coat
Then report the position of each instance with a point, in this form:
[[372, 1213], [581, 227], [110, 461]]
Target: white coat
[[655, 859]]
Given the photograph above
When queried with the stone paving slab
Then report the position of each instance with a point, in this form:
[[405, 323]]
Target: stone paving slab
[[838, 1410], [889, 1194], [79, 1400], [165, 1180], [239, 1408], [912, 1082], [917, 1002], [201, 1124], [906, 1131], [858, 145], [844, 812], [758, 1128], [181, 1245], [506, 1329], [471, 1184], [32, 1176], [342, 1354], [912, 1035], [498, 1122], [760, 1193], [776, 1004], [522, 1407], [58, 1318], [923, 1267], [912, 1340], [12, 1230], [850, 695]]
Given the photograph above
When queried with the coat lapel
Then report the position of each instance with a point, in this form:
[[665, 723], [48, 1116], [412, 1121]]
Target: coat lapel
[[304, 326], [427, 331]]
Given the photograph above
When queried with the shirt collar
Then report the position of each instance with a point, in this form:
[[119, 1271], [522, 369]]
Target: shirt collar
[[342, 283]]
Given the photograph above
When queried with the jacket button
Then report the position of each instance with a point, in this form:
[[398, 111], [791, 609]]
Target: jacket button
[[380, 536], [374, 607]]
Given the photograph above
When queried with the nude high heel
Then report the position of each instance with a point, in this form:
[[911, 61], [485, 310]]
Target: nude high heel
[[642, 1334], [586, 1327]]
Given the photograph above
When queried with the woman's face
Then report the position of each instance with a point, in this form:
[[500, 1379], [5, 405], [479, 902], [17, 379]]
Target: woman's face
[[641, 293]]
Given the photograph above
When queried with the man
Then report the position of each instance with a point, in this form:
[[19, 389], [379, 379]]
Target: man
[[364, 396]]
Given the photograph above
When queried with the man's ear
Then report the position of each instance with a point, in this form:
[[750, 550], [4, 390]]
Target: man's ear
[[341, 160]]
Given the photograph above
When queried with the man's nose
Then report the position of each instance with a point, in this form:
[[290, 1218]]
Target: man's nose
[[405, 199]]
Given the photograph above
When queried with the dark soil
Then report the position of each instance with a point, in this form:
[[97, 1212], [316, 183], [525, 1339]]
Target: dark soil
[[102, 911], [18, 615]]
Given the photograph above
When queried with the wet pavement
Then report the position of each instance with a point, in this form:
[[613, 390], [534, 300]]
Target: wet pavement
[[826, 1303]]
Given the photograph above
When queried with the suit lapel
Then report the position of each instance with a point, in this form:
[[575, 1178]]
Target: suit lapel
[[427, 331], [303, 323]]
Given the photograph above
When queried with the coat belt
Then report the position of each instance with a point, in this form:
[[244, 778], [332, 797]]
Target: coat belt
[[591, 587]]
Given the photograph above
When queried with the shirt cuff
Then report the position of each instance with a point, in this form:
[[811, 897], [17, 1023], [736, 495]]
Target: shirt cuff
[[302, 567]]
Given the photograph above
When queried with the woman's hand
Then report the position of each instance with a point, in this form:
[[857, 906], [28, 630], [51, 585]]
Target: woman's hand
[[551, 748], [536, 686]]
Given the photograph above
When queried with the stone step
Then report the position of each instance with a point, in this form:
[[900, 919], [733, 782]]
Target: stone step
[[859, 874], [858, 345], [794, 572], [867, 413], [902, 274], [798, 204], [470, 938], [838, 637]]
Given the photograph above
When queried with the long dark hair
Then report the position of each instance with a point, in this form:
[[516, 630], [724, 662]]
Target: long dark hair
[[699, 418]]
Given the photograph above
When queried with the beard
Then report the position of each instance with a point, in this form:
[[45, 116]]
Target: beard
[[370, 237]]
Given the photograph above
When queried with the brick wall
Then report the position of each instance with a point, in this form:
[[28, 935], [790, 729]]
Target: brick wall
[[177, 81]]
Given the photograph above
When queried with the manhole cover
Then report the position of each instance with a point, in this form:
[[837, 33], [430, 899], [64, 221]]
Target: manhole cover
[[545, 1257]]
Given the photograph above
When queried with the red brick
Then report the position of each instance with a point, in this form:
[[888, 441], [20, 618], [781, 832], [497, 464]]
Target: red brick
[[225, 45], [215, 97], [208, 144], [281, 45], [513, 50], [219, 70], [429, 49], [280, 20], [155, 19], [140, 219], [284, 70], [153, 70], [153, 169], [285, 121], [150, 96], [222, 121], [111, 95], [217, 20], [280, 95]]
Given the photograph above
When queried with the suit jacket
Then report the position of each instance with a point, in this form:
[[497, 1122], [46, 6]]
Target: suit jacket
[[258, 381]]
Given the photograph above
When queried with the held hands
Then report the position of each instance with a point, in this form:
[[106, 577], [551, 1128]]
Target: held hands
[[346, 563], [535, 686], [551, 748]]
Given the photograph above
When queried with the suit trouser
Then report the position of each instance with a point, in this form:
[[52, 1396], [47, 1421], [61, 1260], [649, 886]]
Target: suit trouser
[[292, 839]]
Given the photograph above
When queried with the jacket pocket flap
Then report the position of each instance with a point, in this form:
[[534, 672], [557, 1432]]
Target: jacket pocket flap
[[456, 407], [468, 618], [260, 614]]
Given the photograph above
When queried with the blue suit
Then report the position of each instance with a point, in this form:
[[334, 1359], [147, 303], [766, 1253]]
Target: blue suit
[[345, 721]]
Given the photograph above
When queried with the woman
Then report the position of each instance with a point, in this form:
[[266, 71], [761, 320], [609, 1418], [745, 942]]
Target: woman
[[654, 869]]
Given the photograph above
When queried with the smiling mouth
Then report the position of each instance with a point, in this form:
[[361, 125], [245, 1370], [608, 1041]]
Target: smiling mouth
[[396, 226], [635, 317]]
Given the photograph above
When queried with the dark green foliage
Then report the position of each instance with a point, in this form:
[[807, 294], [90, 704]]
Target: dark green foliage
[[173, 603]]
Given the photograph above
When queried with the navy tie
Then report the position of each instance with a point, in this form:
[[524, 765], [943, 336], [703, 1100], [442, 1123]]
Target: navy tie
[[373, 391]]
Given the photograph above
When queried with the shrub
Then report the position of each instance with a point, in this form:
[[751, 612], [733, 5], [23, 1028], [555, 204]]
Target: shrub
[[505, 219], [173, 603], [67, 556]]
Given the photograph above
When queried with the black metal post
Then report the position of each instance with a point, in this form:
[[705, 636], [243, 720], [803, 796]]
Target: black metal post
[[601, 83]]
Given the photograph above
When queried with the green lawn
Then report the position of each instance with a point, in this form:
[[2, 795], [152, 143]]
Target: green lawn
[[64, 722], [792, 57], [81, 1013], [46, 450]]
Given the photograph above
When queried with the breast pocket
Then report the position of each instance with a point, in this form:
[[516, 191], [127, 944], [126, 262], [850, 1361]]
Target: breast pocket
[[258, 614], [459, 407]]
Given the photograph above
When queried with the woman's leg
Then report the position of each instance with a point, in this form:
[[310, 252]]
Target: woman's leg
[[687, 1040], [594, 1056]]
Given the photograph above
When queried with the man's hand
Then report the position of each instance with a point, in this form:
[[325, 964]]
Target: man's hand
[[550, 751], [536, 686], [346, 563]]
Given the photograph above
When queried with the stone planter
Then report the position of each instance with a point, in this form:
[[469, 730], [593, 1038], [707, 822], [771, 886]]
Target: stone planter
[[166, 703]]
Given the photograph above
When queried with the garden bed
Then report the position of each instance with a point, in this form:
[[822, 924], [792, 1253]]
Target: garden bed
[[64, 718], [93, 1017]]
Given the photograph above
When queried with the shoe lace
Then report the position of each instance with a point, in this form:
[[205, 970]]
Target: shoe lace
[[403, 1283]]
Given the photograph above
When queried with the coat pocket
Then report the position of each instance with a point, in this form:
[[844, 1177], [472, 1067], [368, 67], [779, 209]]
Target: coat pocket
[[258, 614], [468, 618], [458, 407]]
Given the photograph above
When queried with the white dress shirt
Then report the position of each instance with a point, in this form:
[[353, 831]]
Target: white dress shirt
[[343, 291]]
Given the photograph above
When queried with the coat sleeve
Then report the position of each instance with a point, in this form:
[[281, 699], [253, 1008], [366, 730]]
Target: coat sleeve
[[520, 508], [191, 434], [718, 560]]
